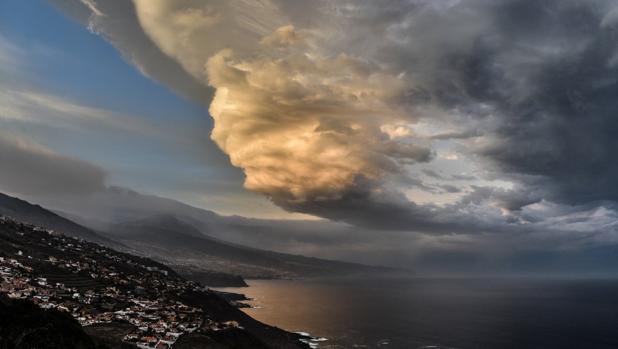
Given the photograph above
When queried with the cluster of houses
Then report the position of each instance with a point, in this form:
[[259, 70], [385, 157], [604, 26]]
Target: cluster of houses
[[97, 285]]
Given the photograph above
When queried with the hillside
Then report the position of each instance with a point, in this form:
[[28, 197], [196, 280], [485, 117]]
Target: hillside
[[180, 244], [24, 211], [34, 214], [117, 298], [193, 241], [23, 325]]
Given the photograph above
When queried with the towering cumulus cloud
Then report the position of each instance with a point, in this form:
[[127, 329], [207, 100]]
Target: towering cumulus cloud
[[306, 127], [303, 124], [432, 116]]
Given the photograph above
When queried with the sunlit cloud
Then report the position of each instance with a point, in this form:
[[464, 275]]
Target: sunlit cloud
[[305, 127], [335, 108]]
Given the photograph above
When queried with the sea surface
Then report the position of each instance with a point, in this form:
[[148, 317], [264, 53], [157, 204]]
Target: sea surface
[[443, 313]]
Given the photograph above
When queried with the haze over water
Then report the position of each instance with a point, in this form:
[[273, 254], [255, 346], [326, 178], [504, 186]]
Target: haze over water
[[443, 313]]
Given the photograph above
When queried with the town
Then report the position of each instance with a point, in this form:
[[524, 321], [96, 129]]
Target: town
[[97, 285]]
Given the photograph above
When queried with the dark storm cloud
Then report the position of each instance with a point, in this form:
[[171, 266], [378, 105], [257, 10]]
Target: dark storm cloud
[[457, 135], [449, 188], [463, 177], [509, 200], [432, 173], [377, 208], [548, 72], [559, 135], [30, 169], [528, 86]]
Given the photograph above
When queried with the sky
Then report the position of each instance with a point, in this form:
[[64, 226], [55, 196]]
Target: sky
[[450, 126], [67, 90]]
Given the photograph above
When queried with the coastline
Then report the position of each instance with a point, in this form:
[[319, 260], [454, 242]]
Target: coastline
[[242, 302], [122, 299]]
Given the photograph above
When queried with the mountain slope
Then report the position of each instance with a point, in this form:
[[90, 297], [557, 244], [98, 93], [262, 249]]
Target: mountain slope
[[34, 214], [176, 235], [113, 294], [317, 238], [179, 243]]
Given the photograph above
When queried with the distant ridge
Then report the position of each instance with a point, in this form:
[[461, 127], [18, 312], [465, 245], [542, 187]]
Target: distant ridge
[[181, 237], [26, 212], [180, 243]]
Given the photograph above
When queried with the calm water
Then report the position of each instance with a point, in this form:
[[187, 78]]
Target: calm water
[[443, 313]]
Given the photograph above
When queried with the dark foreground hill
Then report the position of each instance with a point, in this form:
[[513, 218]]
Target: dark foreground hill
[[119, 300], [23, 325]]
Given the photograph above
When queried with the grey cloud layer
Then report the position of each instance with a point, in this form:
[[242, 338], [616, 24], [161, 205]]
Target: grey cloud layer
[[320, 103], [30, 169], [563, 134]]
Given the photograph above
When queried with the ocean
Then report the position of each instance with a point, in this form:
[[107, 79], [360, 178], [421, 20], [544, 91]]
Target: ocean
[[463, 313]]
